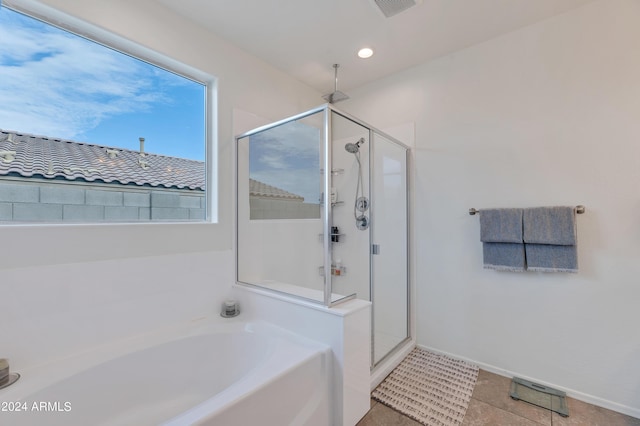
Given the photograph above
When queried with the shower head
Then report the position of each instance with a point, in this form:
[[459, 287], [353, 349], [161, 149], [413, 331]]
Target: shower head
[[336, 95], [354, 147], [351, 147]]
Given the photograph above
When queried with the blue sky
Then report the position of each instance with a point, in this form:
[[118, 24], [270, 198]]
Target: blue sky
[[288, 157], [56, 84]]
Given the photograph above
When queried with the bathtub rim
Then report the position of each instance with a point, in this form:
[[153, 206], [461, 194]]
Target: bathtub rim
[[260, 381], [43, 375]]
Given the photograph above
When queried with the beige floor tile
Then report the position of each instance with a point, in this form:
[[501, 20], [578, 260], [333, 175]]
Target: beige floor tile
[[583, 414], [381, 415], [494, 390], [482, 414], [373, 402], [491, 405]]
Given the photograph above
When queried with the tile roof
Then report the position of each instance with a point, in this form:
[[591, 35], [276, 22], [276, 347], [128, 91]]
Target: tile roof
[[27, 155], [44, 157], [260, 189]]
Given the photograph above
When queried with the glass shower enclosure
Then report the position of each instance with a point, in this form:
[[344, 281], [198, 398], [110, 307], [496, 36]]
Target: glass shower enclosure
[[322, 215]]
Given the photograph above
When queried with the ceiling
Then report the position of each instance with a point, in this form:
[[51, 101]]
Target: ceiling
[[304, 38]]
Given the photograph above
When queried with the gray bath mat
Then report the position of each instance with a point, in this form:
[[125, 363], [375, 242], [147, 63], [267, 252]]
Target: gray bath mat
[[432, 389]]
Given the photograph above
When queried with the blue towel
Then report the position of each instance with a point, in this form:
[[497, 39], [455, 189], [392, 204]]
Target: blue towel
[[501, 236], [550, 225], [503, 256], [501, 226], [551, 258], [550, 239]]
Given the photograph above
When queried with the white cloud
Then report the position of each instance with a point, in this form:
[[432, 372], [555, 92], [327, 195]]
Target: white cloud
[[288, 143], [56, 84], [287, 157]]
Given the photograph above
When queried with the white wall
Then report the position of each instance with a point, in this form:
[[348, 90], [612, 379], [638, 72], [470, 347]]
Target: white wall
[[65, 288], [546, 115]]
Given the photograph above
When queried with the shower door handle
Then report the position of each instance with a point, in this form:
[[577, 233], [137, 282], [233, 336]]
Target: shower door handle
[[375, 248]]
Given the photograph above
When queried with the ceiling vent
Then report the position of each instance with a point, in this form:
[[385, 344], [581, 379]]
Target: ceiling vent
[[392, 7]]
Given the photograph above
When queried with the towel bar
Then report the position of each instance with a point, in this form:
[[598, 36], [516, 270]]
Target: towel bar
[[579, 210]]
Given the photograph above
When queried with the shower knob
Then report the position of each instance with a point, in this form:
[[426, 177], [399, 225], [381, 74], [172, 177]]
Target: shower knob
[[362, 222], [362, 204]]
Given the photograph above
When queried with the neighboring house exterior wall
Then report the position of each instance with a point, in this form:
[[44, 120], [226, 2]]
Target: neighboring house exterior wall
[[49, 180], [274, 208], [271, 202], [39, 200]]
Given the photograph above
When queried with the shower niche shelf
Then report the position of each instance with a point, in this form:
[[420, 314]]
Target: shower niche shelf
[[335, 238], [336, 235], [334, 172], [335, 203], [335, 271]]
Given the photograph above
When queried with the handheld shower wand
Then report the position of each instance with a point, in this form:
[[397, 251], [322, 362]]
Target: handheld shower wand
[[361, 203]]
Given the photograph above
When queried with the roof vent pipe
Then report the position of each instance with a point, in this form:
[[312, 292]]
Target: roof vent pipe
[[7, 156], [141, 147]]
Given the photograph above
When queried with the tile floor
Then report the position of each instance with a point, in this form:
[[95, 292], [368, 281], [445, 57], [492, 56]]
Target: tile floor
[[491, 405]]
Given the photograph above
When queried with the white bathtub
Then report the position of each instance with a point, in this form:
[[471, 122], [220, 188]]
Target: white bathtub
[[234, 373]]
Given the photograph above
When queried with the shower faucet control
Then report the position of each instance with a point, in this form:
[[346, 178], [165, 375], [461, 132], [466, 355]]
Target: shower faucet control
[[362, 204], [362, 222]]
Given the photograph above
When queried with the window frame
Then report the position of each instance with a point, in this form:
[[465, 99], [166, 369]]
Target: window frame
[[122, 45]]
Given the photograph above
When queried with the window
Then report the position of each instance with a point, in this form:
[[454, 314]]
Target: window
[[91, 134]]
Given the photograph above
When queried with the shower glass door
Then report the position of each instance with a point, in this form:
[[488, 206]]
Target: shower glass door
[[389, 253]]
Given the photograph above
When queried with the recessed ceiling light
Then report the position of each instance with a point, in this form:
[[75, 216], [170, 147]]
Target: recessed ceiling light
[[365, 52]]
